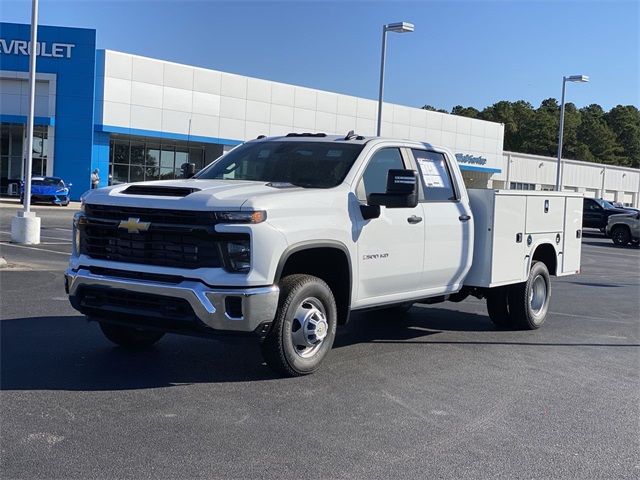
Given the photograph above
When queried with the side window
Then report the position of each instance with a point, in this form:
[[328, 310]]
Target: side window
[[374, 179], [436, 178]]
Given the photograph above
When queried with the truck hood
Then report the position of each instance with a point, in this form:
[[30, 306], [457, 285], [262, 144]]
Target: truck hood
[[206, 195]]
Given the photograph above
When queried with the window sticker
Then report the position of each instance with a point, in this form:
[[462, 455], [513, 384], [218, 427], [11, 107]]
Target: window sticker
[[434, 173], [334, 153]]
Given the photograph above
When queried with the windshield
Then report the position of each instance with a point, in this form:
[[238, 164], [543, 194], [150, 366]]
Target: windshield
[[49, 182], [604, 204], [304, 164]]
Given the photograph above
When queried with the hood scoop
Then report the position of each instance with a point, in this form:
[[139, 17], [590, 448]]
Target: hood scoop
[[159, 191]]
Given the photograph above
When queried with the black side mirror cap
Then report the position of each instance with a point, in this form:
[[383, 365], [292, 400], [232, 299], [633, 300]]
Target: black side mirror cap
[[370, 211]]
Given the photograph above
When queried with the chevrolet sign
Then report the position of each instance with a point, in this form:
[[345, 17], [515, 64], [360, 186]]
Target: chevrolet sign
[[43, 49]]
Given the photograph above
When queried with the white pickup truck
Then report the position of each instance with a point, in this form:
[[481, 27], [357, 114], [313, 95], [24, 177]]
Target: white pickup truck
[[283, 237]]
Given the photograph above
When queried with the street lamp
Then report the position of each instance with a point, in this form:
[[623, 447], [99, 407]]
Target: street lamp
[[572, 78], [398, 27]]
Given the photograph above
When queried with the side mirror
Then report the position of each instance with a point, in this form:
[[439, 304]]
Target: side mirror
[[402, 191]]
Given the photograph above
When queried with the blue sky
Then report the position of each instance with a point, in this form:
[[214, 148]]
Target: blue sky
[[469, 53]]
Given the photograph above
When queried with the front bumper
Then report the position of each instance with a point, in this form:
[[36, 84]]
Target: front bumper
[[242, 310]]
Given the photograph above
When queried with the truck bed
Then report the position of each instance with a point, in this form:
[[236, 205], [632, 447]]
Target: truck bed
[[510, 224]]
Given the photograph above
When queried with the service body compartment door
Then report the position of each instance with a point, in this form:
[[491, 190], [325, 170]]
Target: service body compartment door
[[572, 247], [545, 214], [509, 239]]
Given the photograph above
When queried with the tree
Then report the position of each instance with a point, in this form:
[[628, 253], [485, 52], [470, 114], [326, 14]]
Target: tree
[[599, 138], [433, 109]]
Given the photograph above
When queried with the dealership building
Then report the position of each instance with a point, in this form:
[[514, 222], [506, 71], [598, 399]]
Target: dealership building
[[135, 118]]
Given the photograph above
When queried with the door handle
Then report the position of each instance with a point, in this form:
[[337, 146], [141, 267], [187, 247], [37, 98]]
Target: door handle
[[464, 218], [414, 219]]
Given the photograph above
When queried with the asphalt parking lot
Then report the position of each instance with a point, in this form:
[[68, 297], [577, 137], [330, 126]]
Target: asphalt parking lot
[[440, 394]]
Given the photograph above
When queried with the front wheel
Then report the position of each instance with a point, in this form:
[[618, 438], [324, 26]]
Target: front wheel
[[129, 337], [620, 236], [304, 327], [529, 301]]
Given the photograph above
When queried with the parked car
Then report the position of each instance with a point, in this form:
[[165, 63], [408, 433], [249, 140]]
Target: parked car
[[48, 190], [596, 213], [624, 228]]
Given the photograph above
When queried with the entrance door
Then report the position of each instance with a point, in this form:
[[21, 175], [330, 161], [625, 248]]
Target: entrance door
[[391, 247]]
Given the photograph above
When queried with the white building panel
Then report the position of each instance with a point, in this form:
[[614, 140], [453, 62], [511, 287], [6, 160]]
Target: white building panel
[[303, 118], [233, 86], [282, 94], [253, 129], [205, 125], [144, 118], [232, 128], [366, 109], [115, 113], [347, 106], [207, 81], [231, 107], [178, 76], [119, 65], [206, 103], [145, 70], [305, 98], [146, 94], [258, 111], [325, 122], [327, 102], [418, 117], [345, 123], [258, 90], [177, 99], [365, 126], [402, 116], [176, 122], [117, 90], [282, 115]]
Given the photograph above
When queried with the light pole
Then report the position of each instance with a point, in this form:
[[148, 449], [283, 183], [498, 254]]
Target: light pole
[[25, 226], [398, 27], [572, 78]]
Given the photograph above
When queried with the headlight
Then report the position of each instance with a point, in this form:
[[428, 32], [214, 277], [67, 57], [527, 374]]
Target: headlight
[[257, 216], [78, 220], [238, 253]]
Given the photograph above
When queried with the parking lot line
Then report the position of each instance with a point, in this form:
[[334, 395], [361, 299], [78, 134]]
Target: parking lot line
[[41, 236], [34, 248]]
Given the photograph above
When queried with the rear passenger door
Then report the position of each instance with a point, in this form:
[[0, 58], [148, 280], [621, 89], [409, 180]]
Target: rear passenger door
[[447, 223]]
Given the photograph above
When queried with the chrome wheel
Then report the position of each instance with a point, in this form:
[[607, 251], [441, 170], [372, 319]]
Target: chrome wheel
[[538, 295], [309, 327]]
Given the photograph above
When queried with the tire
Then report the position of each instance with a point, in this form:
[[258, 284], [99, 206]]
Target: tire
[[498, 307], [306, 306], [620, 235], [529, 301], [130, 337]]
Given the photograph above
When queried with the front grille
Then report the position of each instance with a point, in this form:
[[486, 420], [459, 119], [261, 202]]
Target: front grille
[[181, 239], [142, 304]]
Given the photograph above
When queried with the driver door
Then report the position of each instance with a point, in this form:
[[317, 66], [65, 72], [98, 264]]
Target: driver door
[[390, 248]]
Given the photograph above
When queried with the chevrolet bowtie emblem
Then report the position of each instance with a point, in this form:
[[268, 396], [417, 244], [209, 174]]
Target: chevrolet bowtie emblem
[[134, 225]]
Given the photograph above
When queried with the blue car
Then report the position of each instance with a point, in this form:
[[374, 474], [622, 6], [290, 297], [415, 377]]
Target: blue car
[[48, 190]]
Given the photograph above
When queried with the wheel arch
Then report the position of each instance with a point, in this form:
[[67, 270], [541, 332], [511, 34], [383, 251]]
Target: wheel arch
[[328, 260], [546, 253]]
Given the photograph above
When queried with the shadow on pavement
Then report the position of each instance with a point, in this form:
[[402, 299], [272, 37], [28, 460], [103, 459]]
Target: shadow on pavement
[[66, 353]]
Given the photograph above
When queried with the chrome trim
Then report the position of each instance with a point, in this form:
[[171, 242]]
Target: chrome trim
[[259, 304]]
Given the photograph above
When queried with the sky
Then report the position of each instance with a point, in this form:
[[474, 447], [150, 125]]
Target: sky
[[470, 53]]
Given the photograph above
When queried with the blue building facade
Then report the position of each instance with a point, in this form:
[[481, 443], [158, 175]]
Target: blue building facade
[[65, 100]]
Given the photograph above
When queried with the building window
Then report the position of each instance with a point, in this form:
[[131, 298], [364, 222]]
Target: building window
[[522, 186], [137, 159]]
